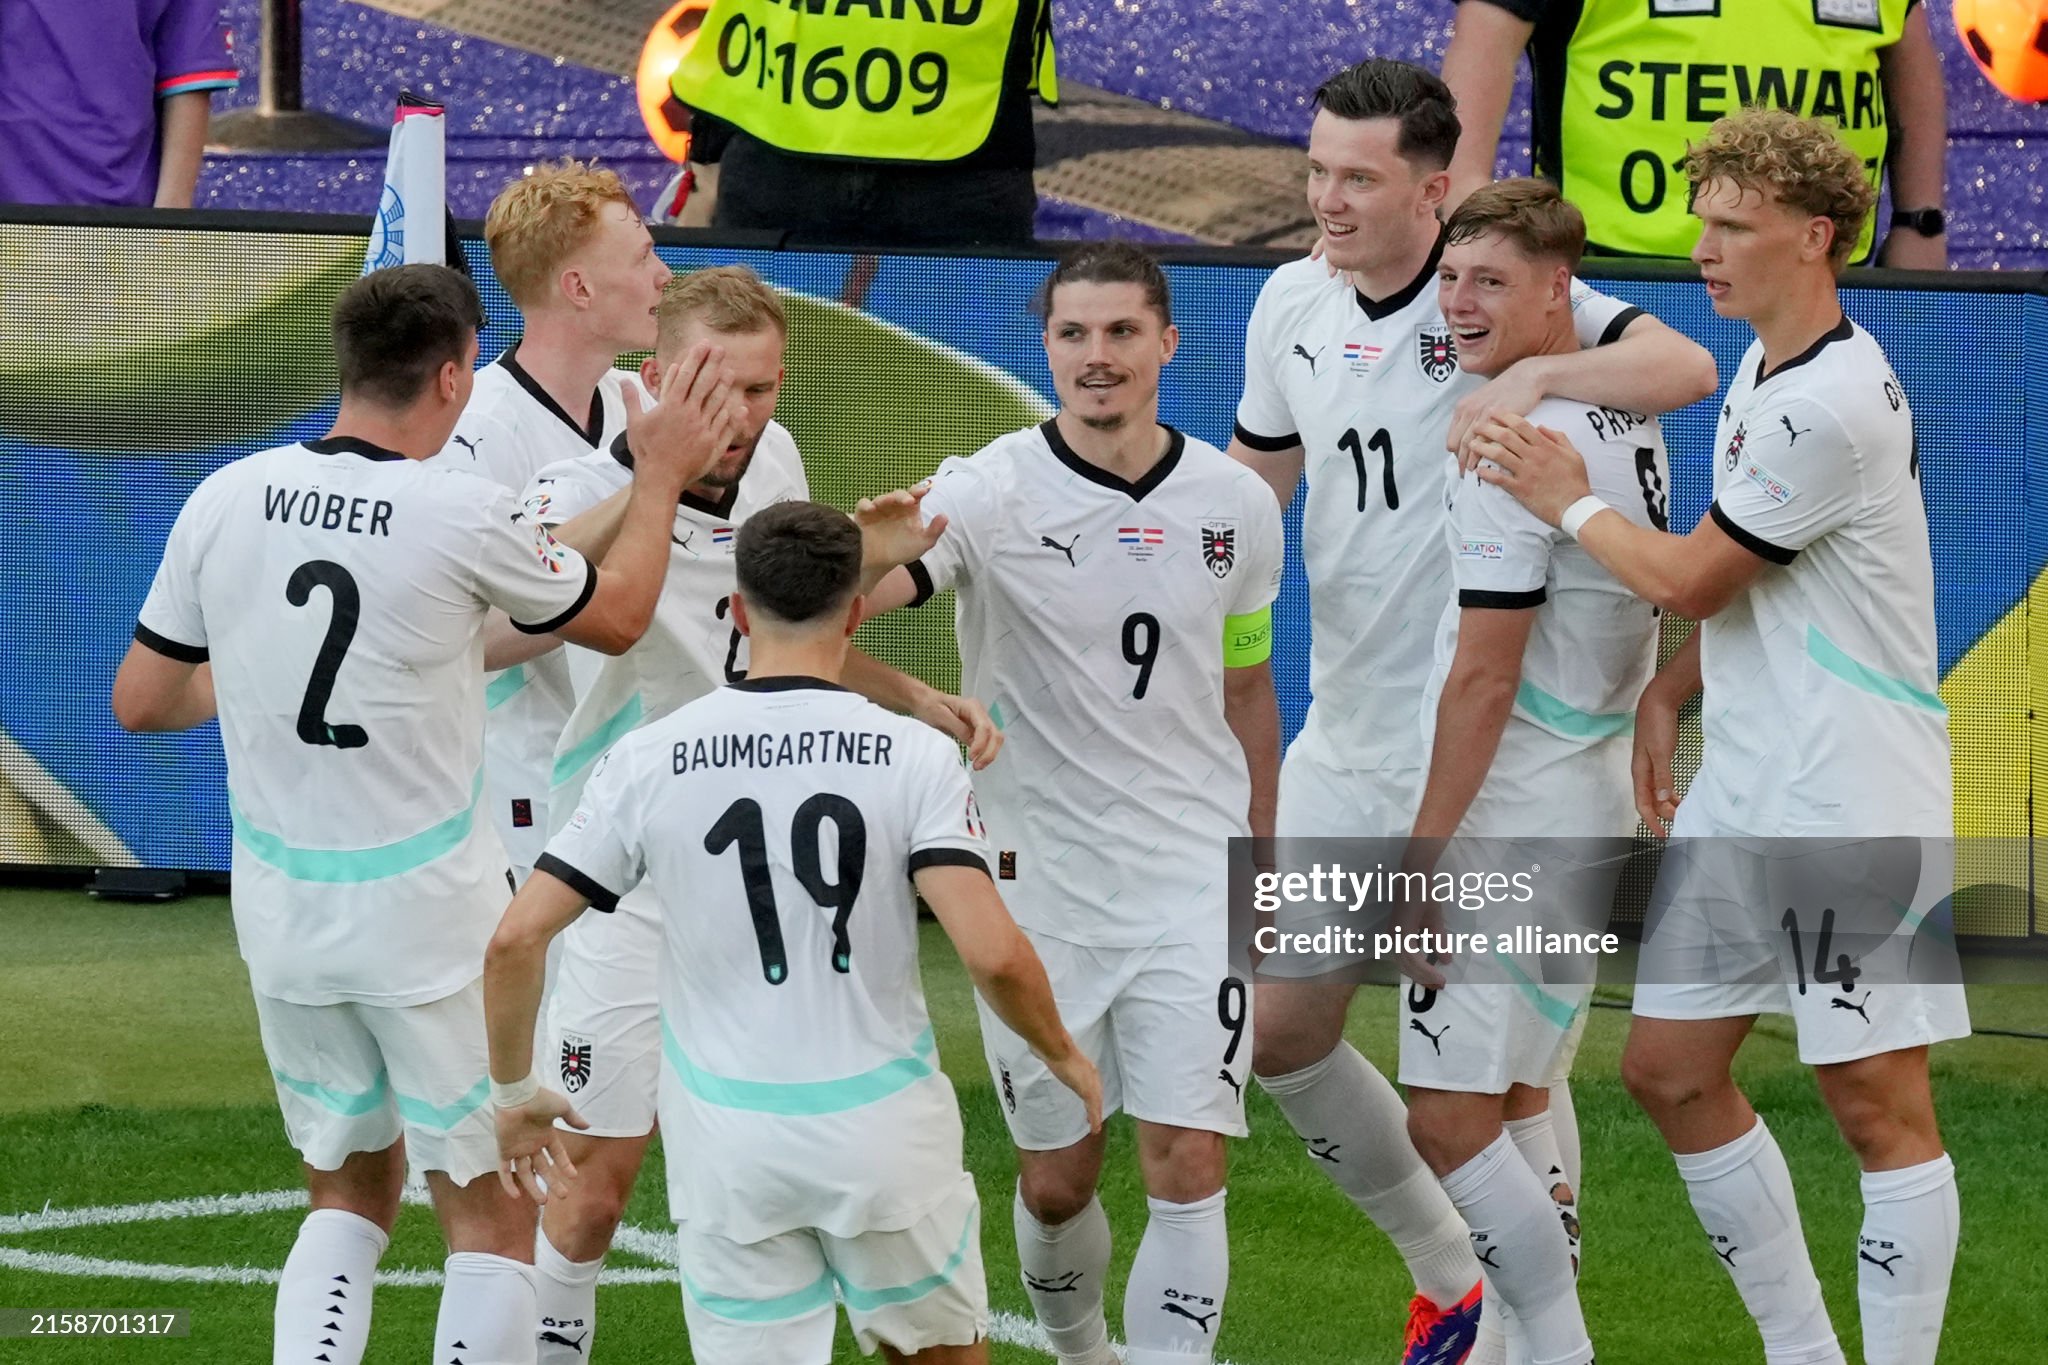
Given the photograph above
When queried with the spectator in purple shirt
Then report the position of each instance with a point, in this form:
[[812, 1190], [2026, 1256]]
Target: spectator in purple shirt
[[105, 101]]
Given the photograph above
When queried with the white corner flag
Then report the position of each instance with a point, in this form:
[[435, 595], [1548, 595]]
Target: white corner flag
[[412, 217]]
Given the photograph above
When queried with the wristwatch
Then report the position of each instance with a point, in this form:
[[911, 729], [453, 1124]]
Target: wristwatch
[[1926, 222]]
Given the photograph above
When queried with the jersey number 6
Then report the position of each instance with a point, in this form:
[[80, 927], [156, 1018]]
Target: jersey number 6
[[742, 824]]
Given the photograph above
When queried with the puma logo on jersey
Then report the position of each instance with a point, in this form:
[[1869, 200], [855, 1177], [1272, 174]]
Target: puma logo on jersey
[[1885, 1265], [1201, 1320], [1728, 1255], [557, 1339], [1322, 1149], [1065, 1284], [1844, 1003], [1231, 1081], [468, 444], [1302, 351], [683, 541], [1794, 432], [1047, 542], [1435, 1039], [1485, 1257]]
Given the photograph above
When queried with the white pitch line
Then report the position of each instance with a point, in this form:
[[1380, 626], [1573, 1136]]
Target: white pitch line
[[1012, 1329]]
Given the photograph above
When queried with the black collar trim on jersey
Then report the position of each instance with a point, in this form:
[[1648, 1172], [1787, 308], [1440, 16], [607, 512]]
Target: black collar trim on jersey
[[1412, 290], [1841, 331], [623, 453], [785, 682], [1094, 473], [590, 430], [351, 445]]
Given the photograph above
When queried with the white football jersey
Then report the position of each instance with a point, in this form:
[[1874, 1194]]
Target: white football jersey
[[1822, 712], [1593, 645], [339, 590], [509, 431], [1091, 618], [691, 646], [1366, 389], [778, 822]]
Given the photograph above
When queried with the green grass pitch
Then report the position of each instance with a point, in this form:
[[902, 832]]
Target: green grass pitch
[[134, 1075]]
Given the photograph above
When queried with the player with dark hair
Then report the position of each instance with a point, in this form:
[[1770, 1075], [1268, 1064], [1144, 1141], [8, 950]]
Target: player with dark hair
[[1352, 378], [1116, 580], [1826, 767], [781, 823], [326, 598]]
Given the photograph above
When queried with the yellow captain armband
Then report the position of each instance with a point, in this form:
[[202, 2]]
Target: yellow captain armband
[[1248, 639]]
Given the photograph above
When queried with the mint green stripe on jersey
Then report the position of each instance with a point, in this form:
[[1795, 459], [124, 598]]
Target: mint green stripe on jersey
[[348, 1104], [345, 865], [869, 1300], [801, 1097], [1856, 673], [781, 1308], [1569, 720], [593, 746], [1558, 1012], [444, 1116], [505, 687]]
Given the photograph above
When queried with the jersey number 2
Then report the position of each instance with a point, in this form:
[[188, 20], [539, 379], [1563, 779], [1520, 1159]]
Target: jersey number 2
[[1381, 444], [742, 824], [341, 629]]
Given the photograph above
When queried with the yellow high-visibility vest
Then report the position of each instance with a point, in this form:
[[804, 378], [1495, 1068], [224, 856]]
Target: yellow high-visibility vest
[[1645, 77], [899, 80]]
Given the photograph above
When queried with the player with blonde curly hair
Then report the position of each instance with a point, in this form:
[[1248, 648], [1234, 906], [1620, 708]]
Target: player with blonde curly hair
[[1815, 840]]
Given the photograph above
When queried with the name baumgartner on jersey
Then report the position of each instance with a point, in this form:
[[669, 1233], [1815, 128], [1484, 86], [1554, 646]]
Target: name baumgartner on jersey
[[778, 823], [1091, 617], [338, 590], [1367, 390]]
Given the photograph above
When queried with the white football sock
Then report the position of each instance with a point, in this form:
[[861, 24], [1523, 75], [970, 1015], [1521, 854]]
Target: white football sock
[[1564, 1121], [1356, 1129], [1522, 1245], [1535, 1138], [1064, 1268], [323, 1298], [1742, 1192], [567, 1291], [1904, 1258], [488, 1310], [1173, 1302]]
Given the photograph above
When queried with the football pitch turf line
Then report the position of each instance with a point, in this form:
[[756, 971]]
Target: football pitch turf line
[[135, 1076]]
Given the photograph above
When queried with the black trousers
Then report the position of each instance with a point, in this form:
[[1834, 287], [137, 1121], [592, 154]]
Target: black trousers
[[870, 203]]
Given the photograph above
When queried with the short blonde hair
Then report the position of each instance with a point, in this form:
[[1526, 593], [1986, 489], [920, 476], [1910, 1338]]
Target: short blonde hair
[[730, 299], [1801, 161], [1529, 213], [539, 220]]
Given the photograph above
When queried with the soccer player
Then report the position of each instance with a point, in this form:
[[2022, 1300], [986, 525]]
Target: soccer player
[[782, 822], [1353, 379], [569, 247], [1116, 579], [1539, 662], [329, 595], [1813, 583], [604, 1033]]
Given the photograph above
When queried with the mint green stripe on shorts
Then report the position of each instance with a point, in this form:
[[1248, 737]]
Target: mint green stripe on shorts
[[346, 865], [801, 1097], [871, 1300], [781, 1308], [347, 1103], [1568, 720]]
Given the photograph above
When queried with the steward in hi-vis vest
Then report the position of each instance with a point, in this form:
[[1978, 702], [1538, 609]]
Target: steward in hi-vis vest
[[1627, 84], [888, 80]]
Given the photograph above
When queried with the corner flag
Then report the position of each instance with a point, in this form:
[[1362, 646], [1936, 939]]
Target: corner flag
[[413, 223]]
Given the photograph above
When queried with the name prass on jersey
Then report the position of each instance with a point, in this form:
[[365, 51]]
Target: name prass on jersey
[[862, 748], [334, 512]]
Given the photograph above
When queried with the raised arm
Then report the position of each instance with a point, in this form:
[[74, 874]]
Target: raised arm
[[1479, 66]]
